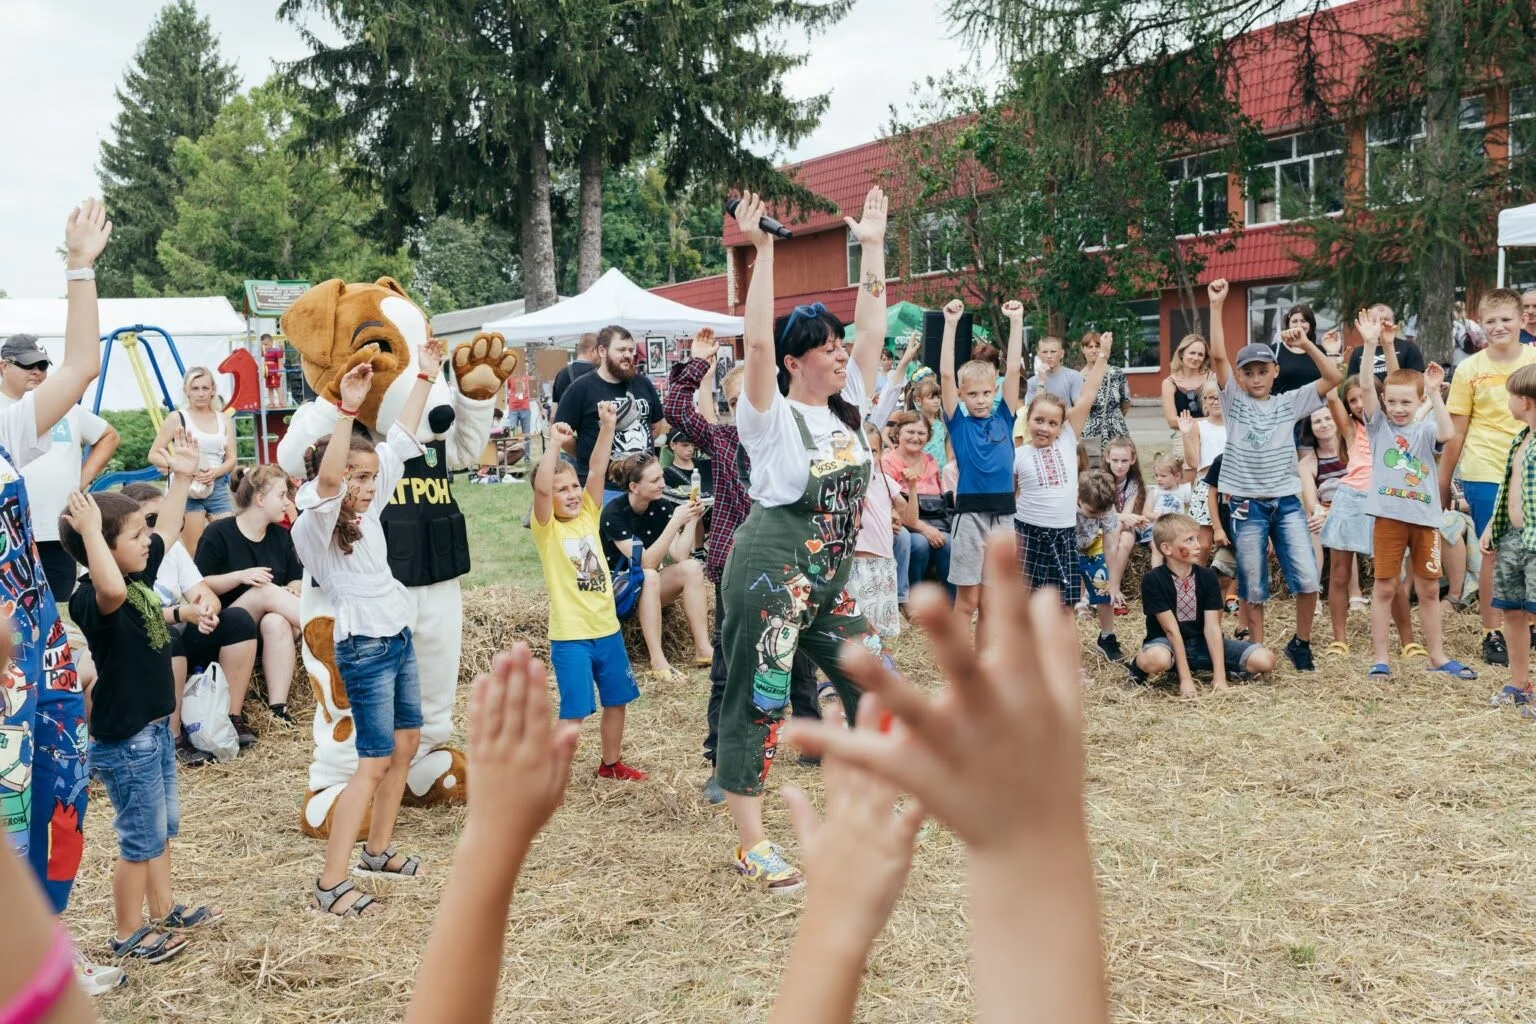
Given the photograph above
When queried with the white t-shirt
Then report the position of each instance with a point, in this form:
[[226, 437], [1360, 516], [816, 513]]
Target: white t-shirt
[[1166, 502], [780, 463], [1213, 441], [178, 574], [51, 477], [1045, 482]]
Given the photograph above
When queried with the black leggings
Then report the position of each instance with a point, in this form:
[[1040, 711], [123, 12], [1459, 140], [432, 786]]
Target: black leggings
[[187, 641]]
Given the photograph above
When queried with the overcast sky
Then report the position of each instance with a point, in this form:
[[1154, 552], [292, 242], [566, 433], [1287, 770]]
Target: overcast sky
[[64, 58]]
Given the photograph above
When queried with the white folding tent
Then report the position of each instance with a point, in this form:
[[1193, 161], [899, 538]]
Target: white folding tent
[[203, 329], [1517, 229], [613, 299]]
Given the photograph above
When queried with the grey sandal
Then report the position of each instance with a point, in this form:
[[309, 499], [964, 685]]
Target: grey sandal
[[377, 864], [326, 899]]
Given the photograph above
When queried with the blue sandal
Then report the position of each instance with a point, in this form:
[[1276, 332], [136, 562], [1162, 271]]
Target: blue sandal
[[1454, 668], [181, 919], [1381, 670], [136, 947]]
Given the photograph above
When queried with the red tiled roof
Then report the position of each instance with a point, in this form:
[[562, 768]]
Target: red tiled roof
[[843, 177], [1261, 254], [701, 293]]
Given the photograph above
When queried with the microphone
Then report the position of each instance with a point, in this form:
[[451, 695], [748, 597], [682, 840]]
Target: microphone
[[770, 225]]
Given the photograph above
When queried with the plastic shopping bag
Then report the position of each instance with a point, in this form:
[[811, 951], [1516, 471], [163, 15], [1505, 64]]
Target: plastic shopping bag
[[205, 714]]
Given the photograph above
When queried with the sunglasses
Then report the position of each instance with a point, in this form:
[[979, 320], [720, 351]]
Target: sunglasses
[[810, 312], [43, 366]]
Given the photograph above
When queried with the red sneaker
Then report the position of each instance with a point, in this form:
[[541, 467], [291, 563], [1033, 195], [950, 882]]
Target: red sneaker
[[621, 771]]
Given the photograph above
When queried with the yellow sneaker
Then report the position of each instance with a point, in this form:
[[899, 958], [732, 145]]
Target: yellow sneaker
[[765, 863]]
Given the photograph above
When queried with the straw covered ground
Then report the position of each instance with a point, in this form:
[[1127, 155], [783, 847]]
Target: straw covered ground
[[1309, 849]]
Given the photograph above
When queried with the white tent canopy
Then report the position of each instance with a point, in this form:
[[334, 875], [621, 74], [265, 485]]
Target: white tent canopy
[[1517, 229], [614, 299], [201, 327]]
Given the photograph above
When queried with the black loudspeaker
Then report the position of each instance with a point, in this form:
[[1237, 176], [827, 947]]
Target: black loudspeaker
[[933, 339]]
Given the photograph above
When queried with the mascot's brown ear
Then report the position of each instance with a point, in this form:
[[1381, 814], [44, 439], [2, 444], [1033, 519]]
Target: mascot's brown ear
[[393, 285], [310, 323]]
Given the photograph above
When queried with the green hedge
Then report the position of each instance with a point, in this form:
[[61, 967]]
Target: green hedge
[[137, 436]]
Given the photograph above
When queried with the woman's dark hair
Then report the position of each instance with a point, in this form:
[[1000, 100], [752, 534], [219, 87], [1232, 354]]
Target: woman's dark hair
[[795, 334], [1307, 314], [141, 492], [629, 469], [115, 510], [348, 532]]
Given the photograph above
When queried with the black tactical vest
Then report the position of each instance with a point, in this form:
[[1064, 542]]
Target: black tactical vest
[[423, 526]]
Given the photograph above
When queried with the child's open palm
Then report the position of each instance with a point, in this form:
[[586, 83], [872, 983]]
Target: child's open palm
[[82, 514], [1368, 326], [354, 386], [183, 454], [1009, 722], [519, 759], [433, 351]]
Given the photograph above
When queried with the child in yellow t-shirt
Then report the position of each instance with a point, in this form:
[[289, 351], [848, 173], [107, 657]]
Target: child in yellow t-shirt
[[585, 646], [1479, 408]]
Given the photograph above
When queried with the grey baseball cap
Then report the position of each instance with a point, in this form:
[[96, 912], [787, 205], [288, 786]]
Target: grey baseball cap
[[23, 350], [1254, 354]]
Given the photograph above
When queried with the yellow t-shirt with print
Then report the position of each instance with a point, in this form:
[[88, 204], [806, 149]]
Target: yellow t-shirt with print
[[1478, 392], [576, 574]]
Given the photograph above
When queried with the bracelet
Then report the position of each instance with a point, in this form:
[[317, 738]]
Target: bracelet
[[429, 380], [80, 274], [46, 987], [350, 414]]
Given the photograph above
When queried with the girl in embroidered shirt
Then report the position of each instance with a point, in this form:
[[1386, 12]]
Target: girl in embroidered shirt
[[341, 542]]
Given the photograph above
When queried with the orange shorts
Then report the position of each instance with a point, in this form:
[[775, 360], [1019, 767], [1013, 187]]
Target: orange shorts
[[1391, 540]]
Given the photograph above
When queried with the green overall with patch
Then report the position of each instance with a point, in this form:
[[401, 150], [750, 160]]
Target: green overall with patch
[[784, 589]]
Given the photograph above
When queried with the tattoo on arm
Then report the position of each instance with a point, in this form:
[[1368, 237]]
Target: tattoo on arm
[[873, 285]]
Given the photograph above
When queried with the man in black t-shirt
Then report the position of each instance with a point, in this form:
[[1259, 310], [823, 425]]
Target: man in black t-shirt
[[1182, 601], [580, 366], [1408, 355], [614, 380]]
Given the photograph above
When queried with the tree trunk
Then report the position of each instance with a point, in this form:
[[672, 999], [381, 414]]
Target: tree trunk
[[538, 238], [1441, 154], [589, 239]]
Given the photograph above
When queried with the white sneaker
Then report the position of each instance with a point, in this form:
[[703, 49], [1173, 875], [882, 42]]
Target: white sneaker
[[97, 979]]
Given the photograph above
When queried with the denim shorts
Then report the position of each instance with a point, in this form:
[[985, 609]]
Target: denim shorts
[[217, 501], [579, 664], [1234, 654], [1255, 523], [383, 687], [140, 775]]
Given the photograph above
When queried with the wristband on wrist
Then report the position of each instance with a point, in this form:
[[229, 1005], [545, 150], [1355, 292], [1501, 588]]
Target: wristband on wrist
[[80, 274], [350, 414], [429, 380]]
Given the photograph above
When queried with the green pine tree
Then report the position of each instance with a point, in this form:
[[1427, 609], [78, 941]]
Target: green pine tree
[[175, 88]]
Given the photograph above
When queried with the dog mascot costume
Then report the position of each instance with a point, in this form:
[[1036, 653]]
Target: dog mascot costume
[[335, 326]]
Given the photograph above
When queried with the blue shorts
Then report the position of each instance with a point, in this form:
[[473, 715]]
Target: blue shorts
[[1234, 654], [1255, 523], [1095, 575], [140, 776], [383, 687], [1480, 499], [578, 664], [216, 503]]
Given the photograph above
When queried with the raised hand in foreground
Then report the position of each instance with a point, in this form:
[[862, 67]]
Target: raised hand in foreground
[[519, 761], [856, 863], [998, 757]]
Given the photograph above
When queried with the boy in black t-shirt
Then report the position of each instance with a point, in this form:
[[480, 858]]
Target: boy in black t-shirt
[[1182, 600], [131, 750]]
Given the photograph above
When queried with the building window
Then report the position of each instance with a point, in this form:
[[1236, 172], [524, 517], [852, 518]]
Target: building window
[[1268, 303], [935, 244], [1199, 195], [854, 258], [1300, 176], [1522, 121], [1392, 142], [1143, 350]]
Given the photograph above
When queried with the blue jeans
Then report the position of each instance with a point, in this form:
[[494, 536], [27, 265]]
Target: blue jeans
[[901, 547], [924, 557], [140, 775], [1255, 523], [383, 687]]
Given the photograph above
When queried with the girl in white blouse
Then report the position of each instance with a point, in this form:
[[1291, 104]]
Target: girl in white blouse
[[341, 542]]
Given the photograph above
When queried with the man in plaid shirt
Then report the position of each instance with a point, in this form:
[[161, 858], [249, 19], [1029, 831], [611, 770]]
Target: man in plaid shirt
[[730, 509]]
